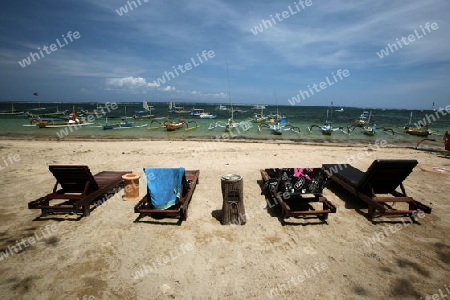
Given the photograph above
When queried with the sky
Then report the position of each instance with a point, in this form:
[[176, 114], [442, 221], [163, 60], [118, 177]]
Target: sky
[[217, 51]]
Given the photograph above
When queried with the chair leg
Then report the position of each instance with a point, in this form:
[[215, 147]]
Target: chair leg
[[371, 212], [323, 217], [86, 210], [283, 213], [184, 215]]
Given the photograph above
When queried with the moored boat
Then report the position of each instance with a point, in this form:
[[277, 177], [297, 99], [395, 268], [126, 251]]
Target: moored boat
[[363, 119], [412, 129], [370, 127], [207, 115], [144, 114], [12, 112]]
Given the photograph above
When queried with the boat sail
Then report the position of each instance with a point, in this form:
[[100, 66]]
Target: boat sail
[[141, 114]]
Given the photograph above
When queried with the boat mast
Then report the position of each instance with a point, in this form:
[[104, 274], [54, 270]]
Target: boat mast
[[276, 100], [229, 93], [330, 120]]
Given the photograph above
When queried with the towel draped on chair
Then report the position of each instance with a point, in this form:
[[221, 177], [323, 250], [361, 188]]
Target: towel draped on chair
[[164, 185]]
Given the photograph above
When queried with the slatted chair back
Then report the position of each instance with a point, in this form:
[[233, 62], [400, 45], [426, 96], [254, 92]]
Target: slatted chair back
[[73, 179], [385, 175]]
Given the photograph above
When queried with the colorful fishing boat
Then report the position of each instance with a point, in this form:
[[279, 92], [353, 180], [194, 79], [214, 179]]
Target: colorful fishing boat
[[412, 129], [144, 114], [363, 119], [370, 129], [71, 120], [172, 126]]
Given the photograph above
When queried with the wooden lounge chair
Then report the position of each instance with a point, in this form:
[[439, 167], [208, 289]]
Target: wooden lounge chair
[[383, 178], [179, 208], [289, 186], [79, 189]]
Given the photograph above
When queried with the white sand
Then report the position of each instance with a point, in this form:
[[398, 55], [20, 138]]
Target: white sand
[[99, 255]]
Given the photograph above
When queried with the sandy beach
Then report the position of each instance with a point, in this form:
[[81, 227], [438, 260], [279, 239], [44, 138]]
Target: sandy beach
[[109, 256]]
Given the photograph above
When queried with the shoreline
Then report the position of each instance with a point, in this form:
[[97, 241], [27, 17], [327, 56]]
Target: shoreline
[[312, 141], [433, 148]]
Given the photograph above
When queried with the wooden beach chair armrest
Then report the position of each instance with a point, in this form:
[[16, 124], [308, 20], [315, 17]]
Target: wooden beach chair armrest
[[392, 199], [55, 188]]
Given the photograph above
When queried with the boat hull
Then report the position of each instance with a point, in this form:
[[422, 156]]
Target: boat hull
[[417, 132], [173, 127]]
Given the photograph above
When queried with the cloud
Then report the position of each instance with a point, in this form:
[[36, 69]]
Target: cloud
[[166, 88], [134, 85]]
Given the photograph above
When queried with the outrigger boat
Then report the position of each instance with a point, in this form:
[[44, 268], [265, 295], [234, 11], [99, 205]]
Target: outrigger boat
[[144, 114], [259, 117], [55, 123], [370, 128], [13, 112], [363, 119], [172, 126], [327, 128], [415, 130], [125, 124], [277, 128], [231, 124]]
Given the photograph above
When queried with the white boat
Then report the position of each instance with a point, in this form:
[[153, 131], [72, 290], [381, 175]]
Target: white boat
[[230, 125], [258, 106], [206, 115], [276, 128], [221, 107], [340, 110], [196, 112]]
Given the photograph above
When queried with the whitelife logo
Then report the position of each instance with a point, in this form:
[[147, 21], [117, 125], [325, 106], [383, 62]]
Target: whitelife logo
[[411, 38], [35, 56]]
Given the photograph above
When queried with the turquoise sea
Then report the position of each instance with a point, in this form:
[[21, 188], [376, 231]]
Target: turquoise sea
[[18, 126]]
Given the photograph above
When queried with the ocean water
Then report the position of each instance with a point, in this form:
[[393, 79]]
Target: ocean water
[[18, 126]]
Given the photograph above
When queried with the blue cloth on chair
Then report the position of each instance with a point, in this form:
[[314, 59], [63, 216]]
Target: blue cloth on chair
[[164, 186]]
